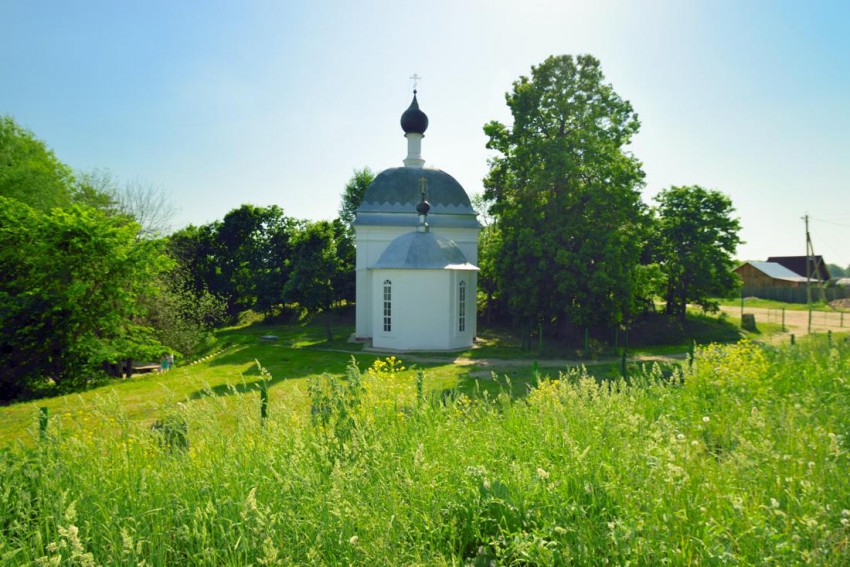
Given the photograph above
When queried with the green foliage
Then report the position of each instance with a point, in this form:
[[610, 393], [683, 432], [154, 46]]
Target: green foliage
[[70, 284], [29, 172], [696, 237], [181, 317], [837, 271], [246, 258], [740, 458], [566, 197], [353, 193], [317, 269]]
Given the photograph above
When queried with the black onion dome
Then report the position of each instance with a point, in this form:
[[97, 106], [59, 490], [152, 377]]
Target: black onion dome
[[414, 121], [423, 207]]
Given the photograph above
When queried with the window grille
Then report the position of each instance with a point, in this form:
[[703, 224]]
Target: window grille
[[461, 307], [388, 306]]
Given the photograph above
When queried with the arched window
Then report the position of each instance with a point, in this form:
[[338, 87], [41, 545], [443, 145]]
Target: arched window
[[461, 307], [388, 306]]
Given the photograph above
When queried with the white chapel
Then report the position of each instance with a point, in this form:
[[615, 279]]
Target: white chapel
[[417, 251]]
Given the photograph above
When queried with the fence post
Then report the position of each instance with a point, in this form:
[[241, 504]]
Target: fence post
[[539, 338], [783, 320], [742, 304], [43, 418], [586, 337], [792, 339], [829, 337], [264, 401]]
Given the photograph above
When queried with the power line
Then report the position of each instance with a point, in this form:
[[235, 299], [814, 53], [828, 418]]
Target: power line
[[831, 222]]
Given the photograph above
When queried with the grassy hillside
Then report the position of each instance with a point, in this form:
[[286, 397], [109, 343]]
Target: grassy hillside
[[740, 458]]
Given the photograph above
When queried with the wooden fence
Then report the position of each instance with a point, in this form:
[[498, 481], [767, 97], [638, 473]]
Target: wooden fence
[[795, 294]]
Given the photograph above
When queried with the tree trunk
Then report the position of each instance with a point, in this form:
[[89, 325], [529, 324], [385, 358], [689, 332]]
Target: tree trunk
[[328, 329]]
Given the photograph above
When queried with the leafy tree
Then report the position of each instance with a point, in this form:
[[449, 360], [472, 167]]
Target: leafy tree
[[837, 271], [489, 244], [181, 317], [195, 251], [243, 243], [316, 268], [566, 197], [353, 193], [70, 287], [29, 172], [244, 259], [696, 240], [345, 285]]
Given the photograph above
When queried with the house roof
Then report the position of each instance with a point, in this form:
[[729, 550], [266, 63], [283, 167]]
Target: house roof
[[777, 271], [797, 264]]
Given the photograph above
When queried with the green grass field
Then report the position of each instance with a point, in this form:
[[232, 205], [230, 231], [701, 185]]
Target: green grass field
[[301, 352], [740, 457]]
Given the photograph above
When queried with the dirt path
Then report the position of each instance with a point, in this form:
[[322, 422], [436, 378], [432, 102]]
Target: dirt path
[[796, 322], [487, 363]]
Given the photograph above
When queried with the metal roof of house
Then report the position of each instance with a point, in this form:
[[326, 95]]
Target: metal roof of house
[[797, 264], [777, 271]]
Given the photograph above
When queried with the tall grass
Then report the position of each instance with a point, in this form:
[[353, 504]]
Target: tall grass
[[740, 458]]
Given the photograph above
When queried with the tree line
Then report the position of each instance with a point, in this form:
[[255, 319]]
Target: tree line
[[90, 284], [89, 281], [572, 246]]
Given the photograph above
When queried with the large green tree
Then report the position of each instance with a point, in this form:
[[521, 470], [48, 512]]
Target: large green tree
[[316, 270], [566, 198], [245, 258], [697, 235], [71, 283], [29, 172]]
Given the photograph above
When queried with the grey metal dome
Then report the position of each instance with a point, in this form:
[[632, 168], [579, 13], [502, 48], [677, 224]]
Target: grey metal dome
[[423, 251], [397, 190], [414, 121]]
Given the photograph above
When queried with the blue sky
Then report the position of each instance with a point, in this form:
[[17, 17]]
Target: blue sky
[[224, 103]]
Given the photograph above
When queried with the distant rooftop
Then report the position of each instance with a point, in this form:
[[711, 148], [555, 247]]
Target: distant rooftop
[[777, 271]]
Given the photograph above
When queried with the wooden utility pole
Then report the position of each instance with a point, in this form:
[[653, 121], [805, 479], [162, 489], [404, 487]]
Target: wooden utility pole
[[808, 272], [812, 270]]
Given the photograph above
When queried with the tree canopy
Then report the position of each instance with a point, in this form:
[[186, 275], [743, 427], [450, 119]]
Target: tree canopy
[[352, 194], [566, 198], [696, 238], [29, 172], [71, 281]]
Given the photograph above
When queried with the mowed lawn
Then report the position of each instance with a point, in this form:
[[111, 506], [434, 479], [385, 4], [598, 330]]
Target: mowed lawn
[[298, 353]]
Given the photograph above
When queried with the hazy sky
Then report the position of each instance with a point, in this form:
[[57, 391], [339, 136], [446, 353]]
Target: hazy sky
[[224, 103]]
